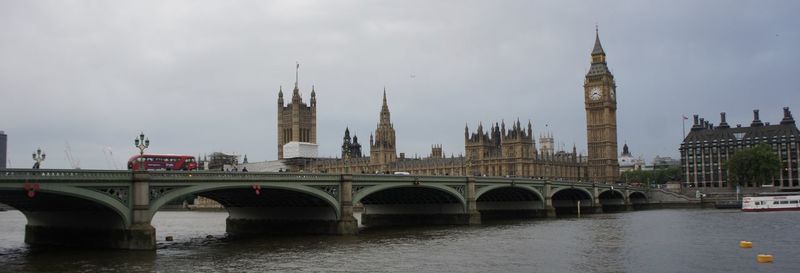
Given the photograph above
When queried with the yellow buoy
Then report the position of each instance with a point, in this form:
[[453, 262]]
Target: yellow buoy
[[764, 258], [746, 244]]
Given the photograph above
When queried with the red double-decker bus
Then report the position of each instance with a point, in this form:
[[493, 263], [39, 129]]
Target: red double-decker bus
[[162, 162]]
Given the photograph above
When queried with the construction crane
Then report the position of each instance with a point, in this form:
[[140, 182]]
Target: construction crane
[[74, 163], [109, 154]]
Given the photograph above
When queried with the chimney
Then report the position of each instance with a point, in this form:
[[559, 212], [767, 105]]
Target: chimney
[[698, 123], [722, 122], [787, 116], [756, 122]]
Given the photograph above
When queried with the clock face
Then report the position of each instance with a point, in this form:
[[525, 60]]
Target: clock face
[[612, 94], [595, 94]]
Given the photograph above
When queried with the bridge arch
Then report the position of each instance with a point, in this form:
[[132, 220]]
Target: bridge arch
[[579, 191], [612, 200], [637, 197], [441, 189], [509, 202], [482, 191], [408, 204], [52, 205], [247, 190], [565, 200]]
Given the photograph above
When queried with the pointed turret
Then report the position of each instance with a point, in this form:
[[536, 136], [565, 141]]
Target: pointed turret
[[313, 95], [280, 96], [385, 115], [598, 48], [598, 59], [530, 129]]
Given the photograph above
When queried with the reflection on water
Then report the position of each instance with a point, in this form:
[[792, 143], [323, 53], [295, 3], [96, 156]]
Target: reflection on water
[[643, 241]]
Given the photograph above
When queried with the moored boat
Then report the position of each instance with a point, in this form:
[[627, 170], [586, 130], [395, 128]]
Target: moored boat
[[773, 202]]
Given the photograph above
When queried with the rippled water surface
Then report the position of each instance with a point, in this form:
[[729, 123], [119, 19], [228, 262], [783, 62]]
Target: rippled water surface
[[642, 241]]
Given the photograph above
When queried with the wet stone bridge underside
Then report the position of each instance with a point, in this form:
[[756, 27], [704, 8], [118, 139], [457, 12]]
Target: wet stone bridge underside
[[113, 209]]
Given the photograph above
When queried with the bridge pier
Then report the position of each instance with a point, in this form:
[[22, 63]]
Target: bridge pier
[[473, 216], [550, 210], [137, 237], [347, 223]]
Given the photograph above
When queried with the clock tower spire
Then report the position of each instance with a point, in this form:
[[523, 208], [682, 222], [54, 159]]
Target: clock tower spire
[[600, 99]]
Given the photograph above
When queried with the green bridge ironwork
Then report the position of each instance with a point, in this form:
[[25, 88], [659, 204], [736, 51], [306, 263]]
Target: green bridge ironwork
[[114, 208]]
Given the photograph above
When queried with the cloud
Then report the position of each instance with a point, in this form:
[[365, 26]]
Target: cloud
[[203, 76]]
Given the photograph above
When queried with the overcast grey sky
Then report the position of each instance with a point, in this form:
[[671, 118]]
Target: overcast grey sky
[[203, 76]]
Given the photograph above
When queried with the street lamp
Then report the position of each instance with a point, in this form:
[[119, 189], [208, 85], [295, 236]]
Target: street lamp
[[142, 143], [38, 157]]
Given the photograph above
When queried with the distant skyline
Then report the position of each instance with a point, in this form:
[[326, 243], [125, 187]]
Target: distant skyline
[[203, 76]]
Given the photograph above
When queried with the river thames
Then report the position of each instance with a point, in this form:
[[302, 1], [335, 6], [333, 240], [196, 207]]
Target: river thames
[[691, 240]]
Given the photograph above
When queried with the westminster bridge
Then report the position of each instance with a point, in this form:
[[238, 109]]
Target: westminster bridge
[[113, 209]]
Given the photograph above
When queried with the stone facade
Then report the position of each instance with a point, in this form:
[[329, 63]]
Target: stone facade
[[499, 151], [297, 121], [706, 148]]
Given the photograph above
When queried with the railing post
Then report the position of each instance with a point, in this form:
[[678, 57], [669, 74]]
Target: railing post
[[472, 203], [549, 210], [347, 223]]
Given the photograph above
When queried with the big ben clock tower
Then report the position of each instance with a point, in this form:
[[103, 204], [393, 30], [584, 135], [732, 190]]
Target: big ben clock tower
[[601, 118]]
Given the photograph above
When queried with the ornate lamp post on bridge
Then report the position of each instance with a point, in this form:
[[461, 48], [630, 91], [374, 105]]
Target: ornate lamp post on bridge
[[142, 143], [39, 158]]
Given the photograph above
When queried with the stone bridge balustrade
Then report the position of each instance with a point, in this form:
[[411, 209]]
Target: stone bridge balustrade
[[113, 209]]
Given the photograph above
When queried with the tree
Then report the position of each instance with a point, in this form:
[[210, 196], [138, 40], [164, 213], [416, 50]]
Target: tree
[[757, 164], [656, 176]]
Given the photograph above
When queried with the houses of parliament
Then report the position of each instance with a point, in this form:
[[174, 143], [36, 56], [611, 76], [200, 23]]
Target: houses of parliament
[[496, 150]]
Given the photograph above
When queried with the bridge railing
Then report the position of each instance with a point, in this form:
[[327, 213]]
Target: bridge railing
[[241, 176], [407, 178], [64, 174]]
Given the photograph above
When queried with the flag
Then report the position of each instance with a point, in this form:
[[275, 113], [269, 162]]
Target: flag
[[685, 117]]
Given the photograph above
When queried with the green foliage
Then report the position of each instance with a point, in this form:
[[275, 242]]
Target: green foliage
[[657, 176], [758, 164]]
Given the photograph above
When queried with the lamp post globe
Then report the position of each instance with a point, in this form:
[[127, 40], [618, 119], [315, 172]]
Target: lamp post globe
[[38, 157], [142, 143]]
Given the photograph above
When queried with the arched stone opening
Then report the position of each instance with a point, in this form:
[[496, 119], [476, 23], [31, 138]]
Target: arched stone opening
[[412, 205], [566, 201], [269, 210], [510, 203], [55, 218], [612, 200], [638, 200]]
